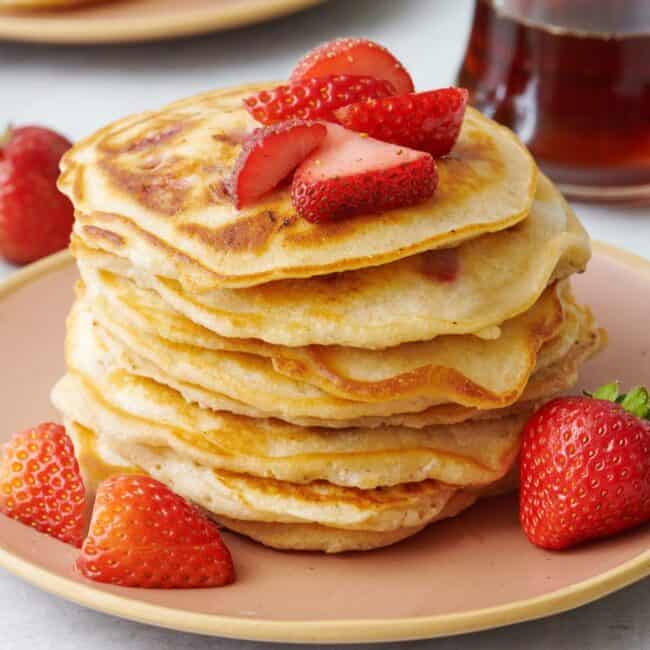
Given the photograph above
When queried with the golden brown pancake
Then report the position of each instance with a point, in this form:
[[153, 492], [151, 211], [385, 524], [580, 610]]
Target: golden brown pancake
[[329, 387], [459, 369], [380, 517], [151, 188], [499, 277]]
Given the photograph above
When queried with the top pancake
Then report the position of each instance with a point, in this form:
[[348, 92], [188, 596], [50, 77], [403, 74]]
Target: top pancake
[[150, 187], [498, 277]]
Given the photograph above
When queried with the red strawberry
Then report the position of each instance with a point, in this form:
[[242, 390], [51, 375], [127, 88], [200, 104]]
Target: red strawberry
[[34, 148], [314, 98], [428, 121], [41, 485], [357, 56], [585, 468], [269, 155], [351, 174], [35, 218], [144, 535]]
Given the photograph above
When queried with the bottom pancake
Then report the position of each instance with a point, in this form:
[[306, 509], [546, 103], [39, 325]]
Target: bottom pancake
[[99, 460], [312, 537]]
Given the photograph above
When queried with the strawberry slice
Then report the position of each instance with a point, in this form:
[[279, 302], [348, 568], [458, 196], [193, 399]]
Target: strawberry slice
[[428, 121], [41, 485], [144, 535], [356, 56], [269, 155], [351, 174], [314, 98]]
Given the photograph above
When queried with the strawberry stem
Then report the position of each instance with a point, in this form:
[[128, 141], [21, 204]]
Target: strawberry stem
[[636, 401]]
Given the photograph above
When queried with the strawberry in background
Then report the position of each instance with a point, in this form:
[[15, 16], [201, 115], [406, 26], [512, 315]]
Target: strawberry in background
[[35, 218]]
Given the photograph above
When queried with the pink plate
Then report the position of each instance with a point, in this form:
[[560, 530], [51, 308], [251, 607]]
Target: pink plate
[[473, 572]]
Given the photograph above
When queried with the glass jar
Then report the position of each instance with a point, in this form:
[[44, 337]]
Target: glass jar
[[572, 79]]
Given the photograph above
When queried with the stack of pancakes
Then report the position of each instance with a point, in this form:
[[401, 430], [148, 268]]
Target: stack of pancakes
[[329, 386]]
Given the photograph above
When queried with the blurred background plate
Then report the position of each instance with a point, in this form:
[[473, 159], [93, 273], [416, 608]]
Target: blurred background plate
[[121, 21]]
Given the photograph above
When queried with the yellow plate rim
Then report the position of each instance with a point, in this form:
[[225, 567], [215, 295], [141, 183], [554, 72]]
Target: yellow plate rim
[[33, 28], [324, 631]]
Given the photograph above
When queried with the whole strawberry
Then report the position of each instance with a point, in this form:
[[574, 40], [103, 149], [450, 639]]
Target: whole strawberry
[[40, 483], [144, 535], [585, 468], [32, 148], [35, 218]]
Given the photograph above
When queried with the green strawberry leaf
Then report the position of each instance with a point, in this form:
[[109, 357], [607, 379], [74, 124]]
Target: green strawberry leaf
[[609, 392], [637, 402]]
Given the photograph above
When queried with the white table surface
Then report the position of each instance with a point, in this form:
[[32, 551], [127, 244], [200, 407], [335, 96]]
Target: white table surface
[[76, 90]]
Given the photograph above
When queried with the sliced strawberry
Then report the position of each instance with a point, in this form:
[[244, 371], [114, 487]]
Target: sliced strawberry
[[41, 485], [357, 56], [428, 121], [314, 98], [269, 155], [351, 174], [144, 535]]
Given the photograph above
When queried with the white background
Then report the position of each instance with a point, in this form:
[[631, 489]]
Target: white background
[[76, 90]]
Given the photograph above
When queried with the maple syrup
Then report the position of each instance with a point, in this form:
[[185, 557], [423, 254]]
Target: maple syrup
[[572, 79]]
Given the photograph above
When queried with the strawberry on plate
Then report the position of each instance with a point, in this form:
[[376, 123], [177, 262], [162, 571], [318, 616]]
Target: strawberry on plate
[[269, 155], [355, 56], [35, 218], [314, 98], [351, 174], [144, 535], [428, 121], [41, 485], [585, 468], [34, 148]]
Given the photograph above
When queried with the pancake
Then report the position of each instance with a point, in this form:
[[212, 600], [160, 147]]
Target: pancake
[[357, 519], [334, 386], [578, 341], [150, 187], [98, 461], [500, 276], [137, 410], [472, 372], [545, 384], [312, 537], [461, 369], [265, 499]]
